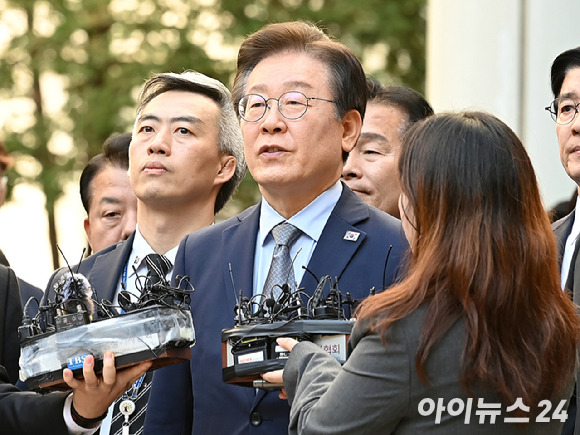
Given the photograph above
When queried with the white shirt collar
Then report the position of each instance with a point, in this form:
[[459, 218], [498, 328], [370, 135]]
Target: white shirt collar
[[575, 231], [141, 249]]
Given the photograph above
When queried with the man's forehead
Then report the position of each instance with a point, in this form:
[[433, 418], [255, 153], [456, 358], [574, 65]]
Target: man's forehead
[[181, 95], [570, 87], [184, 106], [297, 71], [289, 84]]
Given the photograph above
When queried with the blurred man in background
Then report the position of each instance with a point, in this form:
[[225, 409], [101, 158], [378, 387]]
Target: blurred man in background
[[371, 169], [565, 84], [107, 196]]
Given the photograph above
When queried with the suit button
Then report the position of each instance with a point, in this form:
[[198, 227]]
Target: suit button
[[256, 419]]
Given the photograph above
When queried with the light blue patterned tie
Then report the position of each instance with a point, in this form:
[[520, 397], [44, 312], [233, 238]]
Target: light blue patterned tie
[[281, 271]]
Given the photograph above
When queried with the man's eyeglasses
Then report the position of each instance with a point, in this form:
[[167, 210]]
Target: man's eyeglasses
[[563, 110], [292, 105]]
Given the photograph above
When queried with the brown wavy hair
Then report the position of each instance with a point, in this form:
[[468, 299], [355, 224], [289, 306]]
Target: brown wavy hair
[[483, 251]]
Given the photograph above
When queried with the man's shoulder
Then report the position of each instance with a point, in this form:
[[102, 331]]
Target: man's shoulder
[[378, 221], [357, 212], [109, 253], [383, 218], [85, 266], [210, 233], [566, 220]]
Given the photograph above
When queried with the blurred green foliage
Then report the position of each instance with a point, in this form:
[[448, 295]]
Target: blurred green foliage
[[98, 53]]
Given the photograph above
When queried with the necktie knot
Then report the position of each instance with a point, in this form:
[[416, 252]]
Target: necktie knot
[[285, 234]]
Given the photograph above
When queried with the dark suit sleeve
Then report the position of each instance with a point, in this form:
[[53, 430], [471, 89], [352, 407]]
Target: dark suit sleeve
[[369, 395], [27, 413], [10, 320]]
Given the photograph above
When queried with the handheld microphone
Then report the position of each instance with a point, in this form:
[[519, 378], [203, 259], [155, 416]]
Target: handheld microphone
[[73, 291], [74, 304]]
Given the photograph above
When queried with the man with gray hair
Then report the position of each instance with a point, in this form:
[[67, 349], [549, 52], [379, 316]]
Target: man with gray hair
[[185, 161]]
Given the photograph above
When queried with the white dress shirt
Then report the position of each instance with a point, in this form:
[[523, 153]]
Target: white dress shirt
[[570, 245], [131, 280], [73, 428]]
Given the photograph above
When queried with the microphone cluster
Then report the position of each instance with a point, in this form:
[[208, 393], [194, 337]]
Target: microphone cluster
[[155, 325], [250, 348], [294, 305]]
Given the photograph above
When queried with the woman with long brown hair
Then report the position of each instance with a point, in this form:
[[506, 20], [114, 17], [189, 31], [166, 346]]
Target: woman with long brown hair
[[479, 330]]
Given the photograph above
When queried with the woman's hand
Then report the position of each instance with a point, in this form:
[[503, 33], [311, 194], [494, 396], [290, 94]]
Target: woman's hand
[[276, 377]]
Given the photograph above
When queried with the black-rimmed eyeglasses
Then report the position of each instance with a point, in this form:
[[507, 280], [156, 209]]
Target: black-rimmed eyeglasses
[[563, 110], [292, 105]]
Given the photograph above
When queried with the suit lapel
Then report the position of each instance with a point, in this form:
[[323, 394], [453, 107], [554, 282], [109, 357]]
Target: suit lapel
[[107, 269], [339, 240], [243, 237], [562, 229]]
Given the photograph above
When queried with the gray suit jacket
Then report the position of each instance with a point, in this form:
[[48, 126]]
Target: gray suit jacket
[[377, 391], [562, 229]]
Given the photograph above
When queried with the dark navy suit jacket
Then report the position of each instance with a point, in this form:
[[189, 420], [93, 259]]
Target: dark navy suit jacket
[[23, 413], [14, 289], [192, 398], [10, 320]]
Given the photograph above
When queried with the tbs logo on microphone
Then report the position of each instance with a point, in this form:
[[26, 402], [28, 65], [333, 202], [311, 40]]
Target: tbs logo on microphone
[[76, 362]]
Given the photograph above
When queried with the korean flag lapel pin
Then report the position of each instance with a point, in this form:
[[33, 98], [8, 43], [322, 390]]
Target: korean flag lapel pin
[[351, 236]]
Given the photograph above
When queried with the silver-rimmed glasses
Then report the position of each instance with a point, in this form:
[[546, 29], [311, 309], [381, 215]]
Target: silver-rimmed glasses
[[563, 110], [292, 105]]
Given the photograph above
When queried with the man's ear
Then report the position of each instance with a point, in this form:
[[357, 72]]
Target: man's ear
[[227, 169], [351, 127], [87, 226]]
